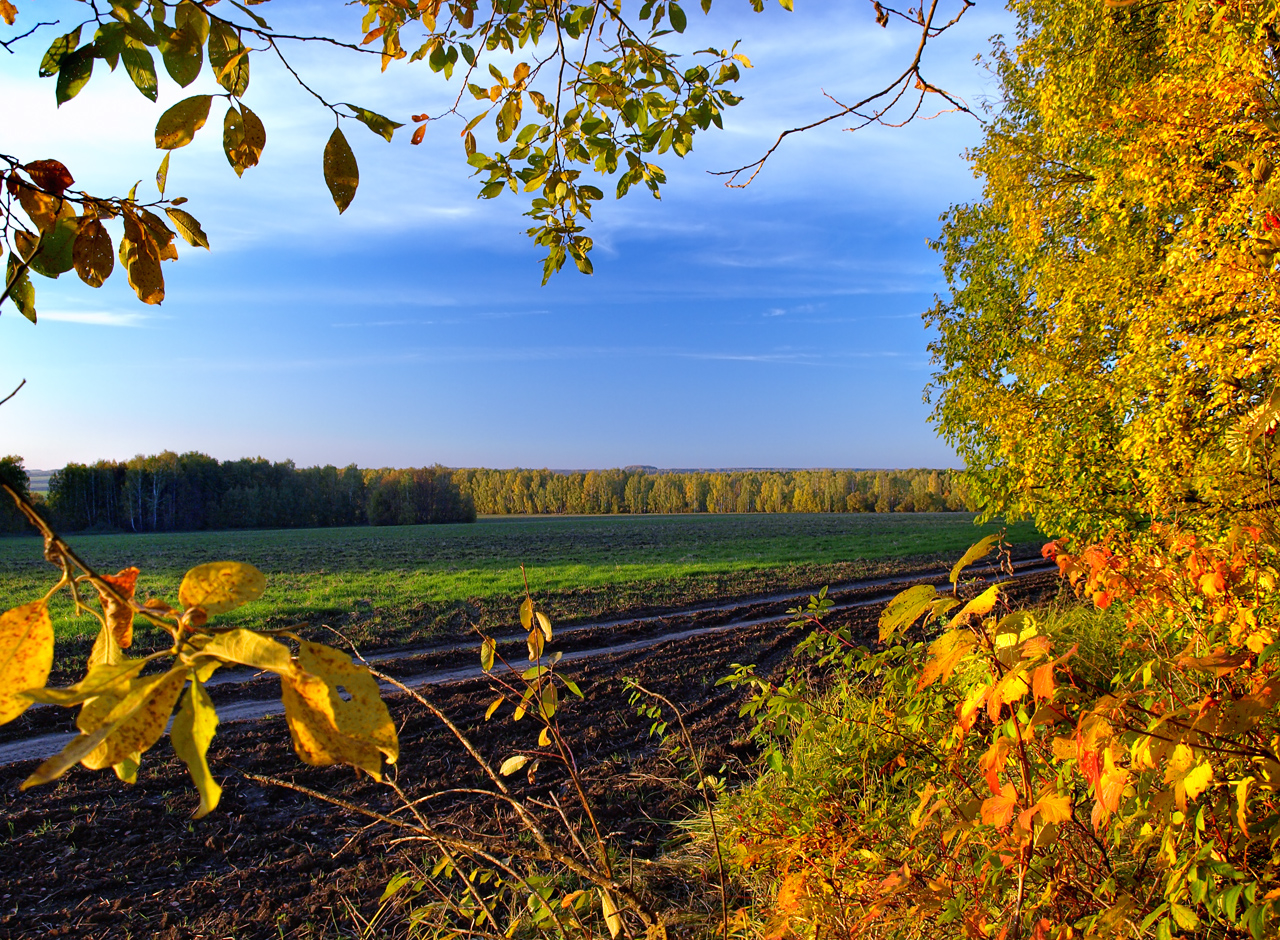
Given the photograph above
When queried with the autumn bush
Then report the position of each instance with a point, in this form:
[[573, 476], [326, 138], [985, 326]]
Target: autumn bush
[[1060, 773]]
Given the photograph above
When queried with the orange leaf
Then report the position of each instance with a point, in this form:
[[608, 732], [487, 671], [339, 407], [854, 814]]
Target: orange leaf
[[998, 810], [1042, 684], [1008, 690], [120, 616], [418, 134], [372, 35], [790, 893], [1111, 784], [8, 11], [967, 711], [993, 761]]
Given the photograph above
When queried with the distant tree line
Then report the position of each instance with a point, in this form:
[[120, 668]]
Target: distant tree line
[[171, 492], [642, 490]]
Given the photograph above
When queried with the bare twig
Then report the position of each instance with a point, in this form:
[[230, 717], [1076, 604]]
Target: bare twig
[[8, 43], [14, 392]]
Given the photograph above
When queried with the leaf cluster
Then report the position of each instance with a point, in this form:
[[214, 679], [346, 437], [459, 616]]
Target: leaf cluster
[[333, 707]]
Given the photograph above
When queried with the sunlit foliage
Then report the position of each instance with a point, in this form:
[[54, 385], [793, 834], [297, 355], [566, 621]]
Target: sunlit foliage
[[1107, 352]]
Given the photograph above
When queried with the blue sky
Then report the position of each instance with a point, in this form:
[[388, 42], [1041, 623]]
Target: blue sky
[[773, 326]]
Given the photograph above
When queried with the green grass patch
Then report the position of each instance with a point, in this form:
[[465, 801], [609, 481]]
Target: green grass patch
[[407, 583]]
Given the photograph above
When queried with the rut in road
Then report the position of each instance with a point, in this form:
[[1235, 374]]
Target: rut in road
[[40, 747]]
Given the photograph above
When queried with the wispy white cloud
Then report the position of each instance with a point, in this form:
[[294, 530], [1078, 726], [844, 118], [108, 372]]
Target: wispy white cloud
[[94, 317]]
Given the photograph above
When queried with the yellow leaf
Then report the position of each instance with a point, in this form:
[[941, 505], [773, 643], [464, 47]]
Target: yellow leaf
[[612, 919], [526, 613], [487, 650], [979, 549], [219, 586], [1054, 807], [945, 653], [905, 609], [545, 623], [106, 651], [1011, 688], [980, 606], [136, 720], [193, 729], [177, 126], [141, 259], [127, 769], [512, 764], [26, 655], [243, 138], [248, 649], [99, 680], [76, 749], [967, 711], [1189, 776], [354, 698], [316, 738], [493, 707]]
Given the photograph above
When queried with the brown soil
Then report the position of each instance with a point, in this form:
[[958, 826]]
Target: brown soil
[[89, 857]]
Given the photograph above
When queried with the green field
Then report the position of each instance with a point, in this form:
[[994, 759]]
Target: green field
[[407, 583]]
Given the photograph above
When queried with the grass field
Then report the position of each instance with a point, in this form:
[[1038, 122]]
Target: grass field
[[407, 583]]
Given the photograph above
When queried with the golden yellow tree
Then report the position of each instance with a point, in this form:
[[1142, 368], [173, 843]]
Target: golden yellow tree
[[1107, 354]]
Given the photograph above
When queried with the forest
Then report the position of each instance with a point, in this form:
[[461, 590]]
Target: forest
[[171, 492]]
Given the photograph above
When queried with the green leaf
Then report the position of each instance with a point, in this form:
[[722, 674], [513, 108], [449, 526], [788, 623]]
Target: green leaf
[[134, 25], [190, 18], [177, 127], [61, 47], [341, 174], [253, 16], [193, 728], [108, 42], [140, 66], [677, 17], [383, 127], [74, 73], [183, 53], [56, 245], [188, 227], [229, 58]]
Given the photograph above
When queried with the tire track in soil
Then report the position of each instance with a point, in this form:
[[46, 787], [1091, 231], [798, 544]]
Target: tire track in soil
[[456, 661], [88, 857]]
